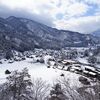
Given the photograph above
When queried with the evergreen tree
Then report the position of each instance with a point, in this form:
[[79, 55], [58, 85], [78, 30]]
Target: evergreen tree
[[18, 87], [57, 93], [92, 59]]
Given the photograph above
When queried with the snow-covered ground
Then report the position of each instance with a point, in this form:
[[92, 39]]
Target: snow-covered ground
[[82, 60], [37, 70]]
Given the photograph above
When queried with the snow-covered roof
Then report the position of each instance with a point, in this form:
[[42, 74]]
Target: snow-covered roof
[[70, 61], [92, 73], [86, 71], [89, 67], [76, 68]]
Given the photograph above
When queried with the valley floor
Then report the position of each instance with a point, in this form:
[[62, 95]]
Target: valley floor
[[37, 70]]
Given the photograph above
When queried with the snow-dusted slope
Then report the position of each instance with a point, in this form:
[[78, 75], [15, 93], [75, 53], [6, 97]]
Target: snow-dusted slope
[[24, 34]]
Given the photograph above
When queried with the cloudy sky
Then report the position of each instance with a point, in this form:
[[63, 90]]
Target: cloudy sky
[[76, 15]]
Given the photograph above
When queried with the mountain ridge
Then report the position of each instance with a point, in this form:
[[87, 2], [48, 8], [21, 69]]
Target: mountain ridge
[[25, 34], [96, 33]]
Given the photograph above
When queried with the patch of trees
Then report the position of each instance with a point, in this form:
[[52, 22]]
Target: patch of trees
[[92, 59], [8, 54], [57, 93], [19, 86]]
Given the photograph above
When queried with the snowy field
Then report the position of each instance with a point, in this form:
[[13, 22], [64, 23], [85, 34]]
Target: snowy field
[[82, 60], [37, 70]]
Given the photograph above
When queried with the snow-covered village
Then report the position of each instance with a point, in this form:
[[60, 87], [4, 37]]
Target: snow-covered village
[[49, 49], [77, 66]]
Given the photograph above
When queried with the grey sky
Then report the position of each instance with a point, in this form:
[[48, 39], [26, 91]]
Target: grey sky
[[76, 15]]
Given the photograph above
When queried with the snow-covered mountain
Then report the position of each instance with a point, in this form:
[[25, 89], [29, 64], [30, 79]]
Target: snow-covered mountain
[[96, 33], [24, 34]]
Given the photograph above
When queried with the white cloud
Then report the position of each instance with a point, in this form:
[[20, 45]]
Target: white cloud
[[97, 2], [72, 12], [82, 24], [69, 8], [77, 9], [49, 6]]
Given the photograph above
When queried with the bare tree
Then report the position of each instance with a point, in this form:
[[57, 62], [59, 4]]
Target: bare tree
[[90, 92], [40, 89], [71, 93]]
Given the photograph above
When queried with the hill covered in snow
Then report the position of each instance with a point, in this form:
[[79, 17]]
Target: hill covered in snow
[[24, 34]]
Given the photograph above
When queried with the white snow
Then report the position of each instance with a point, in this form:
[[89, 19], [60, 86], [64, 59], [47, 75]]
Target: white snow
[[82, 60], [36, 70], [92, 73], [91, 68]]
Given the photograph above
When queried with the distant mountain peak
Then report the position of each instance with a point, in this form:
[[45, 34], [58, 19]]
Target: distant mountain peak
[[96, 33], [11, 17]]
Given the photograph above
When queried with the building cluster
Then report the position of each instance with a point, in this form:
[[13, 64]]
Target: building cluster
[[64, 59]]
